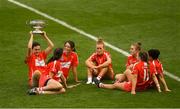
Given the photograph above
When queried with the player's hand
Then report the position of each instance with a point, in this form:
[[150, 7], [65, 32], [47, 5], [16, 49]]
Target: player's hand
[[43, 33], [133, 92], [78, 81], [31, 34], [159, 90], [94, 67], [167, 90], [69, 87]]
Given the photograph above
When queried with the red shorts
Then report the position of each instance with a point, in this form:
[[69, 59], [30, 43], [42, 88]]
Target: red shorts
[[65, 75], [43, 79], [127, 86]]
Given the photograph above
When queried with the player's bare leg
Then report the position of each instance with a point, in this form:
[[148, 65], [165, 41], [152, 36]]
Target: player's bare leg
[[110, 74], [35, 78], [107, 86], [54, 92], [102, 72], [119, 85], [128, 74], [52, 85], [89, 75], [120, 78]]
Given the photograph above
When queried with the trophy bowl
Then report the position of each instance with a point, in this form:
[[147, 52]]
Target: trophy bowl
[[37, 25]]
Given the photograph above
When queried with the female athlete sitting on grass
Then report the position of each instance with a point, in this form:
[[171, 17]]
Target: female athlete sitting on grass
[[69, 60], [142, 73], [131, 60], [35, 58], [153, 58], [49, 82], [99, 64]]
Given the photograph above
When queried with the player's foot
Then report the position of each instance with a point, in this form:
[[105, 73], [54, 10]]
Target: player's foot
[[88, 82], [93, 82], [97, 82], [32, 91], [167, 90]]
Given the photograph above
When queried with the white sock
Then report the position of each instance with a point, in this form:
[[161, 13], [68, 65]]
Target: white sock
[[98, 78], [90, 79]]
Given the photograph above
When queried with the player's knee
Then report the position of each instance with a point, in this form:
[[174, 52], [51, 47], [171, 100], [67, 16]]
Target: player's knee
[[62, 90], [37, 73], [112, 77], [117, 76]]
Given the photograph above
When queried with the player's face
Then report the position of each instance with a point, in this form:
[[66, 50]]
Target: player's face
[[99, 49], [133, 50], [67, 48], [36, 50]]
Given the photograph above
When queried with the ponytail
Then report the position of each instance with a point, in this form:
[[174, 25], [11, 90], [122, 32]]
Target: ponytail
[[100, 41], [57, 55]]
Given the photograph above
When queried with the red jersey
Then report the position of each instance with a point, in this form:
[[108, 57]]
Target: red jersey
[[158, 66], [36, 63], [55, 68], [100, 59], [144, 74], [67, 61], [131, 60]]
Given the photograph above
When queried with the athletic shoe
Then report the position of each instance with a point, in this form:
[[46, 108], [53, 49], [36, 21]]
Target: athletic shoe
[[32, 91], [88, 82], [97, 82]]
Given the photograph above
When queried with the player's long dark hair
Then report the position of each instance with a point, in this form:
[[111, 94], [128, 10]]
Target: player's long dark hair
[[144, 57], [154, 53], [72, 44], [56, 55]]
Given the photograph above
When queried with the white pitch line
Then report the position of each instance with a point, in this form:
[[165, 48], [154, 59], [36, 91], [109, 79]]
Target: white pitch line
[[82, 32]]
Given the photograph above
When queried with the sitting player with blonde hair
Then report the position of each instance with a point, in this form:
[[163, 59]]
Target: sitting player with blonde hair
[[99, 63]]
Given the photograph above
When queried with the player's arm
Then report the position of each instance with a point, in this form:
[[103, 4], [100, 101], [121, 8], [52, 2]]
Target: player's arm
[[106, 63], [63, 80], [134, 82], [156, 82], [51, 74], [50, 43], [89, 63], [74, 70], [29, 46]]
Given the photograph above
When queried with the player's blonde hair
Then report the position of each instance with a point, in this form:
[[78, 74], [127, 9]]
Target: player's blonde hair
[[137, 45], [100, 41]]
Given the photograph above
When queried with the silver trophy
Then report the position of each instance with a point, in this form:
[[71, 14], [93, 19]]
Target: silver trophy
[[37, 25]]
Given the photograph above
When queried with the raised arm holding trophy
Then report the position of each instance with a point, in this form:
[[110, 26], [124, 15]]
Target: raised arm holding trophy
[[35, 57]]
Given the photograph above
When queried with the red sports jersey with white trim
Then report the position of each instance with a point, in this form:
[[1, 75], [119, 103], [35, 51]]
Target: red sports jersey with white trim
[[55, 68], [131, 60], [144, 74], [158, 66], [67, 61], [36, 63], [100, 59]]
